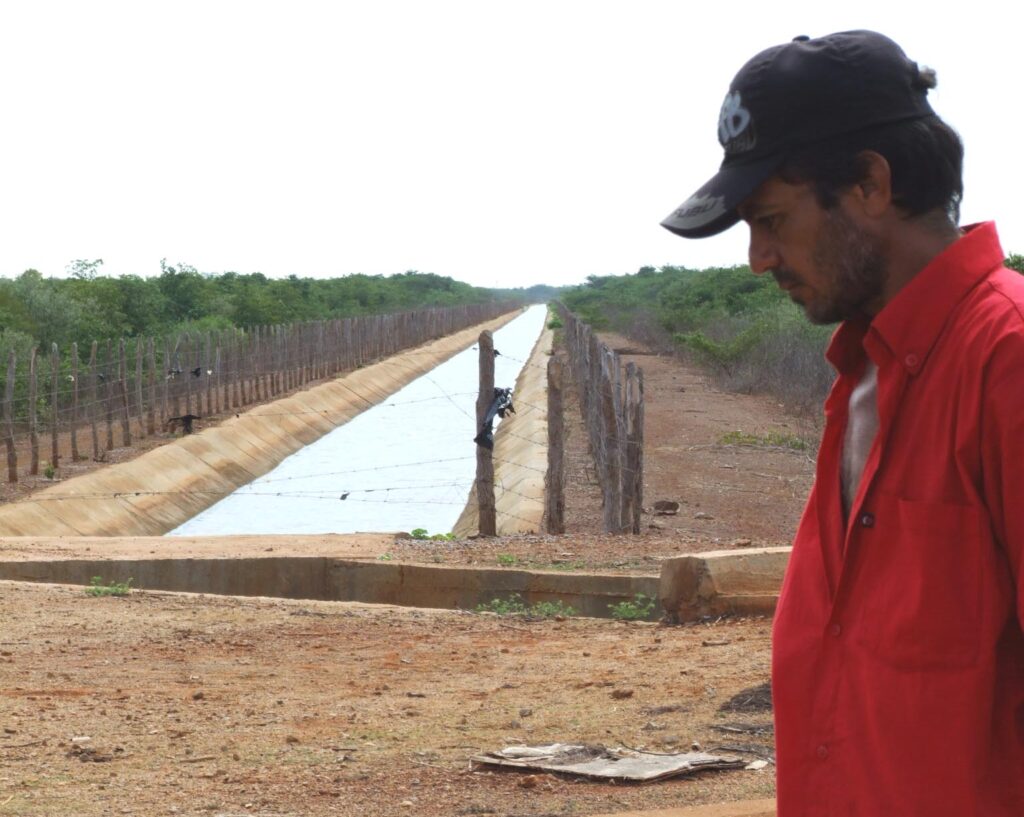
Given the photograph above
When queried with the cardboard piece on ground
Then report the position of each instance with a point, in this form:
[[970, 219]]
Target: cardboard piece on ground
[[600, 763]]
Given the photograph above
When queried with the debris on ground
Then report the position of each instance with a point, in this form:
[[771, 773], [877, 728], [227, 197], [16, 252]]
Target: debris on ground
[[598, 762], [754, 699]]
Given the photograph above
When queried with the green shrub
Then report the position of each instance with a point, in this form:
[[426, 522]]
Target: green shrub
[[515, 606], [98, 588], [423, 534], [640, 608], [507, 559], [772, 439]]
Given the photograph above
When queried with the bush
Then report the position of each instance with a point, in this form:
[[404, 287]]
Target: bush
[[515, 606], [740, 327], [640, 608], [98, 588]]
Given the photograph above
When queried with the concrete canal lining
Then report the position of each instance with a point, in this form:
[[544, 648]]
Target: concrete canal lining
[[159, 490], [520, 453]]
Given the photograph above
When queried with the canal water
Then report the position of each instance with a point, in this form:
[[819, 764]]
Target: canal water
[[406, 463]]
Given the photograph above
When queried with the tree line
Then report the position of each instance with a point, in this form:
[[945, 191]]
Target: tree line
[[740, 327], [87, 305]]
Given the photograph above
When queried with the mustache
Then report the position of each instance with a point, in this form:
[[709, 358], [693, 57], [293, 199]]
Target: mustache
[[784, 276]]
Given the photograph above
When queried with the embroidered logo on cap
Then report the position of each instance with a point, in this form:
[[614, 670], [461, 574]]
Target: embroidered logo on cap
[[735, 125], [699, 210]]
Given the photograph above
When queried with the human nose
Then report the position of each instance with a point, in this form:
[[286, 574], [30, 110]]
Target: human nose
[[763, 254]]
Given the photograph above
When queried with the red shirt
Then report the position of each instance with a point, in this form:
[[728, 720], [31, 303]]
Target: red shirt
[[898, 655]]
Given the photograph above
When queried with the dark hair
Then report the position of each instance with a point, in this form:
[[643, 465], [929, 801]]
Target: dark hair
[[925, 157]]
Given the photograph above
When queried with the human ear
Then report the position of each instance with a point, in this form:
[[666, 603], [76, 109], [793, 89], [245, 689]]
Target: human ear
[[874, 190]]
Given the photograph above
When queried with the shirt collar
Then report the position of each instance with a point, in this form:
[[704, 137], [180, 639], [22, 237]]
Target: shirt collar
[[911, 322]]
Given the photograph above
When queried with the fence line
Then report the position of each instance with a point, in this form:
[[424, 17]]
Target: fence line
[[193, 373], [613, 410]]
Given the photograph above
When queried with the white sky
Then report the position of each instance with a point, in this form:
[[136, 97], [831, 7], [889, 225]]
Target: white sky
[[503, 144]]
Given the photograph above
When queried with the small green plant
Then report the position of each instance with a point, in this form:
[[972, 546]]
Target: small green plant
[[49, 471], [506, 559], [773, 439], [424, 534], [98, 588], [638, 609], [515, 606], [512, 606], [385, 557], [555, 323], [550, 609]]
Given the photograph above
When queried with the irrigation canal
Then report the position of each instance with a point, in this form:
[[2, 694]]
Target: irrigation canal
[[405, 463]]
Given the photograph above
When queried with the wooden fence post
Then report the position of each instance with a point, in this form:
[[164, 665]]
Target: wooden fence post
[[633, 490], [33, 434], [75, 455], [151, 408], [54, 407], [12, 454], [122, 375], [93, 398], [554, 484], [108, 378], [484, 458], [140, 402]]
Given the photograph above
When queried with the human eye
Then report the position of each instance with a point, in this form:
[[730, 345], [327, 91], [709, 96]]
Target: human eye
[[769, 222]]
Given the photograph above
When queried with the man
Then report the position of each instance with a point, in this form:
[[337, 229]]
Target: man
[[898, 654]]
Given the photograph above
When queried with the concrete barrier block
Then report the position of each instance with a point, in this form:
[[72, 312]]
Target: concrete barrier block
[[722, 582]]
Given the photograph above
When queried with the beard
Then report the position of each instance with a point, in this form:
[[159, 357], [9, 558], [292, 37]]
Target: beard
[[851, 266]]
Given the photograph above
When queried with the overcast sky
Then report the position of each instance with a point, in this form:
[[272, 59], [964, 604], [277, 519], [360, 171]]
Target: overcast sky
[[503, 144]]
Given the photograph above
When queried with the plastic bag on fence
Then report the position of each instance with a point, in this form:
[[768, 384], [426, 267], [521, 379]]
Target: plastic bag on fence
[[501, 406]]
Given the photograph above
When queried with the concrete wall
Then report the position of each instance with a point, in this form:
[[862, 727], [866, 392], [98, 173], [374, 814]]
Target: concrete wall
[[163, 488], [332, 579], [723, 582]]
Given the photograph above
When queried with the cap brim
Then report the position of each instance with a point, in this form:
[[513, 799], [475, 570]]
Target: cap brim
[[712, 209]]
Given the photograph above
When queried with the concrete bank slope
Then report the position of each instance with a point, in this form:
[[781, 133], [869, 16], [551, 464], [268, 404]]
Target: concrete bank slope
[[520, 453], [743, 808], [159, 490]]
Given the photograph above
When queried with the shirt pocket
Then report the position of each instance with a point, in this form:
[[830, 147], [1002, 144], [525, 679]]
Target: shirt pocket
[[918, 590]]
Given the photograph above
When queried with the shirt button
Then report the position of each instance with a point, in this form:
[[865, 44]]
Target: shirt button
[[867, 520], [823, 751], [835, 630], [911, 360]]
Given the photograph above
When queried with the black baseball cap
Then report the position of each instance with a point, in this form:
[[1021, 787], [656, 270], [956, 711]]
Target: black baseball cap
[[793, 95]]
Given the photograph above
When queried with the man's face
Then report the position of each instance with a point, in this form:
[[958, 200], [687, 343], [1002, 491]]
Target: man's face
[[824, 259]]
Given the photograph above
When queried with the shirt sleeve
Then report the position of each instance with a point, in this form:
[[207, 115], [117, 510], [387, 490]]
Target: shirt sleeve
[[1002, 432]]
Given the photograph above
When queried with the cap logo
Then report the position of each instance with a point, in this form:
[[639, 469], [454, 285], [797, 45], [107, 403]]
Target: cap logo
[[734, 125]]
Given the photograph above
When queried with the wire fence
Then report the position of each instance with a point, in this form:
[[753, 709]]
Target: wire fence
[[61, 405], [612, 405]]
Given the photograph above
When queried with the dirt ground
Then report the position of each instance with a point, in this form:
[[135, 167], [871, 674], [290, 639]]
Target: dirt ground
[[159, 704], [197, 705]]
